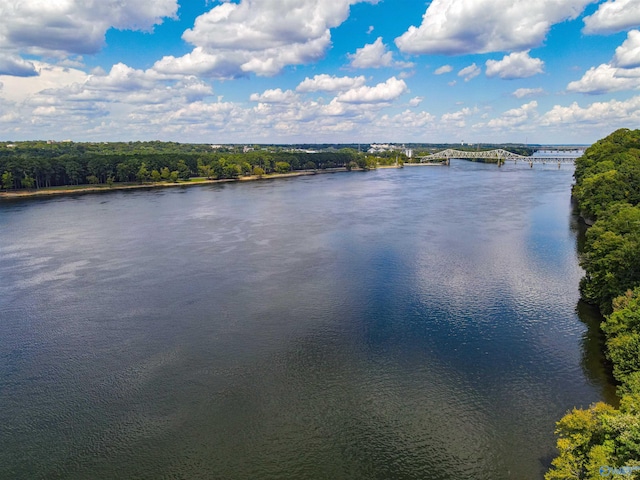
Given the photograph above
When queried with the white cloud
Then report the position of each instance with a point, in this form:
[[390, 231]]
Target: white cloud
[[375, 55], [123, 78], [443, 69], [516, 117], [454, 27], [613, 16], [258, 36], [527, 92], [613, 114], [415, 101], [49, 77], [64, 27], [128, 101], [274, 96], [459, 118], [470, 72], [515, 65], [406, 120], [603, 79], [329, 83], [628, 54], [382, 92]]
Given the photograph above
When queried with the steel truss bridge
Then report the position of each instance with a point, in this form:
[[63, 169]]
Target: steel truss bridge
[[500, 156]]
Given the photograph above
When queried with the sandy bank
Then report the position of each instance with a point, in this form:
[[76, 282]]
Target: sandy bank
[[55, 191]]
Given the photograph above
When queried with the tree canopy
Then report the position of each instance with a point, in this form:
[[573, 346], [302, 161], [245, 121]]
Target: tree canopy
[[602, 441]]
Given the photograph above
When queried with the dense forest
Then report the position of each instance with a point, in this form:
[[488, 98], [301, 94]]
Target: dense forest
[[603, 441], [46, 164], [39, 164]]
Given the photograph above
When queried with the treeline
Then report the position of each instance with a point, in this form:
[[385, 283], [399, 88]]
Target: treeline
[[603, 441], [39, 164]]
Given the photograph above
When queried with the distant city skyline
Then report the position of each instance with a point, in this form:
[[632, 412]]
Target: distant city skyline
[[313, 71]]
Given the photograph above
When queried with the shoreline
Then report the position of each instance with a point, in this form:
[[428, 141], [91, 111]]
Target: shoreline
[[86, 189], [62, 191]]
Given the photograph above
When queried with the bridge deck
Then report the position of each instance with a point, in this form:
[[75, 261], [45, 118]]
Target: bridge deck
[[498, 154]]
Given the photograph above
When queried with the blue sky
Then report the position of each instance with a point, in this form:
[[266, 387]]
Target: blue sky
[[293, 71]]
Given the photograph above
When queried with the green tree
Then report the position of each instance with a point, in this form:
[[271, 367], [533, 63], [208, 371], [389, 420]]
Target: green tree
[[7, 180], [183, 170], [27, 182], [143, 173], [231, 171], [283, 167], [155, 176], [610, 257], [73, 171], [205, 170], [125, 172], [258, 171], [93, 180]]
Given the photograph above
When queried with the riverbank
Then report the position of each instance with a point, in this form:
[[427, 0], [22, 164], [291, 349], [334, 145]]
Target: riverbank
[[86, 189], [603, 438]]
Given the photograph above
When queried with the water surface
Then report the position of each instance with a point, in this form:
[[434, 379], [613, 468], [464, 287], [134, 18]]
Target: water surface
[[414, 323]]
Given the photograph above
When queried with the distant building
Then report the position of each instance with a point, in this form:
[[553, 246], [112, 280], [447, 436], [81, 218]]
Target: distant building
[[386, 147]]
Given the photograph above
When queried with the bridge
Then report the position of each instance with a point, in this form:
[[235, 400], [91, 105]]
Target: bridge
[[501, 156]]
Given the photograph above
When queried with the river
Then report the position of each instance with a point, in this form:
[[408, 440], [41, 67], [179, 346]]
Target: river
[[416, 323]]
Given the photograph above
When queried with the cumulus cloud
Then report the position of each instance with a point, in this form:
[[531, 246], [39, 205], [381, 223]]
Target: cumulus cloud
[[459, 118], [527, 92], [621, 73], [628, 54], [515, 65], [613, 16], [407, 120], [456, 27], [443, 69], [603, 79], [329, 83], [274, 96], [65, 26], [516, 117], [382, 92], [415, 101], [16, 66], [123, 78], [613, 113], [49, 77], [375, 55], [258, 36], [127, 100], [470, 72]]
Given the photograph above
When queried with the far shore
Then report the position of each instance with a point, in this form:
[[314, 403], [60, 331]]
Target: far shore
[[82, 189]]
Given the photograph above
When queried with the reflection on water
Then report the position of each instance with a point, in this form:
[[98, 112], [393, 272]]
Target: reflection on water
[[413, 323], [595, 367]]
